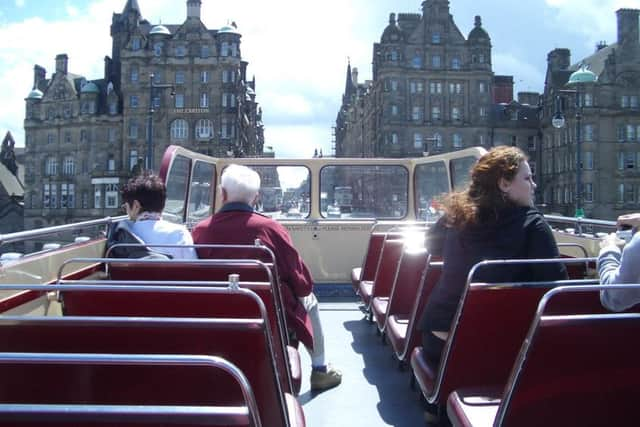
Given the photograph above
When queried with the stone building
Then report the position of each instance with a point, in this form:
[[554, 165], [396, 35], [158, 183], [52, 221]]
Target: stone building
[[178, 84], [11, 192], [610, 128], [433, 91]]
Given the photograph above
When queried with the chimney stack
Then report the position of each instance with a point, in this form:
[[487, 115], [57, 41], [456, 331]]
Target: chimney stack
[[62, 62], [193, 9], [39, 74], [628, 28], [559, 59]]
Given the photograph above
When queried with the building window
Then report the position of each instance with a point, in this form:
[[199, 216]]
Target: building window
[[588, 160], [394, 110], [179, 77], [587, 100], [84, 199], [51, 138], [588, 133], [133, 75], [227, 129], [435, 38], [481, 140], [394, 85], [135, 43], [204, 77], [482, 111], [67, 137], [456, 63], [455, 88], [457, 141], [49, 196], [111, 135], [224, 49], [111, 163], [436, 61], [416, 114], [51, 166], [416, 62], [69, 166], [157, 76], [133, 159], [179, 100], [179, 129], [455, 113], [204, 100], [481, 58], [228, 76], [67, 196], [228, 100], [113, 107], [482, 87], [205, 52], [393, 138], [181, 50], [204, 129], [624, 101], [133, 101], [111, 196], [629, 160], [133, 129], [394, 55], [418, 142], [630, 133], [633, 101], [435, 113], [435, 87], [437, 142], [157, 49], [97, 196], [587, 192], [416, 87]]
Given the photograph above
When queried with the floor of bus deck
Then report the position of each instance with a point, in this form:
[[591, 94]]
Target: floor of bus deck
[[374, 392]]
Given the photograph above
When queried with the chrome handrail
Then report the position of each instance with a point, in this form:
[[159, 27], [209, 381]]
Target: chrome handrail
[[47, 231]]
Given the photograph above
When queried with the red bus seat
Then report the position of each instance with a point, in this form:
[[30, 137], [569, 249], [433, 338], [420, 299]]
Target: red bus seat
[[245, 342], [370, 262], [406, 311], [386, 272], [489, 328], [191, 304], [410, 270], [573, 369], [68, 390]]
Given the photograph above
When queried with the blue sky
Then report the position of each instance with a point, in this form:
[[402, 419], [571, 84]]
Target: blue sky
[[297, 49]]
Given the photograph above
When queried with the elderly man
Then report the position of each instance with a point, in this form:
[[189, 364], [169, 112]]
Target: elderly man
[[237, 223]]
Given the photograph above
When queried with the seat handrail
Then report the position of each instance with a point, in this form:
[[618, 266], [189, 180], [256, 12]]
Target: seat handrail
[[531, 334], [194, 246], [574, 245], [141, 360]]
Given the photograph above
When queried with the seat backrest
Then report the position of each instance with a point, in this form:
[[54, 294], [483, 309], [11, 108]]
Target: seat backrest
[[429, 278], [243, 342], [408, 280], [77, 387], [184, 304], [492, 322], [388, 266], [577, 370], [372, 256]]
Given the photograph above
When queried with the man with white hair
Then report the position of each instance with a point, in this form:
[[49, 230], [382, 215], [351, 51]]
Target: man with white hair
[[237, 223]]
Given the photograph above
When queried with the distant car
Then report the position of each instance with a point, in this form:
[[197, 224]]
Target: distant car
[[294, 213], [333, 211]]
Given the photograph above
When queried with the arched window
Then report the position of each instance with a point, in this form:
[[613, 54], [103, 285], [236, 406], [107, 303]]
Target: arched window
[[204, 129], [69, 166], [179, 129], [51, 166]]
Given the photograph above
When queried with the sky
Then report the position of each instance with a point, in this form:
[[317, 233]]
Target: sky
[[298, 50]]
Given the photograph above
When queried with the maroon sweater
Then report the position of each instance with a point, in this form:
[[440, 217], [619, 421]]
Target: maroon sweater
[[236, 223]]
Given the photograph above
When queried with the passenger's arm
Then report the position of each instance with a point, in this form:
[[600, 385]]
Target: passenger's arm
[[542, 244], [291, 268], [187, 253], [615, 267]]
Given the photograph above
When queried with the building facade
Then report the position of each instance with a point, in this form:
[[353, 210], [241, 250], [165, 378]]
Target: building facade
[[433, 90], [163, 84], [11, 192], [609, 112]]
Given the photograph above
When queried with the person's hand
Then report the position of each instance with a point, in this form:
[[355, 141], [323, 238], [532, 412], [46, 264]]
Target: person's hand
[[611, 240], [630, 220]]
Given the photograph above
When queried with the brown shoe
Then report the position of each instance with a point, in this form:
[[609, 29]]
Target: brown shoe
[[323, 380]]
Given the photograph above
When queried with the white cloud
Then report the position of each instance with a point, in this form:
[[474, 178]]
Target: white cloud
[[523, 72], [20, 3]]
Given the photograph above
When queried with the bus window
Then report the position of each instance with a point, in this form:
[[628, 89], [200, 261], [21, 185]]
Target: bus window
[[430, 183], [284, 191], [177, 181], [363, 191], [201, 196], [461, 172]]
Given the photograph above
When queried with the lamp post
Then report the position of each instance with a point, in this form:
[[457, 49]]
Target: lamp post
[[152, 87], [577, 79]]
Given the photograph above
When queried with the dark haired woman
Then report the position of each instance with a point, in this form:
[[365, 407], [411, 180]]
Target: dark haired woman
[[493, 218]]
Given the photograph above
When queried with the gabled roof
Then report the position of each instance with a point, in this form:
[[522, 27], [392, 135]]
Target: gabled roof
[[596, 62], [10, 182]]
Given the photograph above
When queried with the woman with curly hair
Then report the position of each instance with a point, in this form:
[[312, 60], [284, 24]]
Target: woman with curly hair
[[494, 218]]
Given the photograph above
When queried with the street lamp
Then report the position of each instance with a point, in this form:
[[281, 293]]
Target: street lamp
[[577, 79], [152, 87]]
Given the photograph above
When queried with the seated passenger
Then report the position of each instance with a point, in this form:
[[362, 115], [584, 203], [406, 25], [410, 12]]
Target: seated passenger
[[620, 266], [493, 218], [144, 197], [237, 223]]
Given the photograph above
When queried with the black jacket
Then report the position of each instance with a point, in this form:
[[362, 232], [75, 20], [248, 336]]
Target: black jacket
[[519, 232]]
